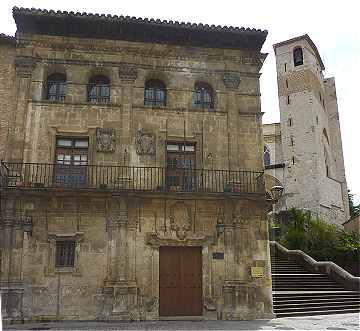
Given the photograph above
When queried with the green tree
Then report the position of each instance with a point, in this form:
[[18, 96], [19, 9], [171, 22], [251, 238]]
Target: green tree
[[354, 209]]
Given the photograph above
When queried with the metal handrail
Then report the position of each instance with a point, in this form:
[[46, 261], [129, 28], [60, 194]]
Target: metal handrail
[[138, 178]]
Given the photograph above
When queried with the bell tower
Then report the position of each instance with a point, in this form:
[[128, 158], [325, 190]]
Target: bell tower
[[314, 172]]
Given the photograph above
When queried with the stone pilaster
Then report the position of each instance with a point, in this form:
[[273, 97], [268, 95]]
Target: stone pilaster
[[11, 243], [120, 289], [24, 66]]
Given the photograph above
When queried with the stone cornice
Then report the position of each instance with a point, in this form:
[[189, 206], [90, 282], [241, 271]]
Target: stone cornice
[[62, 23]]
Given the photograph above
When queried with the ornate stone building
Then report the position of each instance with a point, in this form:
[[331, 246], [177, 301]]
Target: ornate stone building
[[304, 151], [131, 181]]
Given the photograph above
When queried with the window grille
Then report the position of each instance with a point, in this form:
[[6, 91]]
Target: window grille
[[99, 89], [65, 253], [56, 87], [203, 96], [155, 93]]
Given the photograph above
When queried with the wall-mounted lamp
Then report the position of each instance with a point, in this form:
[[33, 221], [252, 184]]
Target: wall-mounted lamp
[[276, 193]]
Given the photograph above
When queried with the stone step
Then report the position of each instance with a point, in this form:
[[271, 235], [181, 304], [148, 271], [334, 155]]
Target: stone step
[[316, 307], [314, 303], [318, 312]]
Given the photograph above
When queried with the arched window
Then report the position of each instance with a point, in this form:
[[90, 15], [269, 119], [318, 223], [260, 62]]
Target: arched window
[[298, 56], [99, 89], [56, 87], [267, 159], [203, 96], [155, 93]]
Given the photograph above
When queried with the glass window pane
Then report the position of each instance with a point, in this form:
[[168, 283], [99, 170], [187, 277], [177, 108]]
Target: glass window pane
[[189, 148], [64, 142], [172, 147], [81, 143]]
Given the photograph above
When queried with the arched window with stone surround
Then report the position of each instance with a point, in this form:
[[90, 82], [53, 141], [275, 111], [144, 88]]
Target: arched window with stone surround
[[55, 87], [99, 89], [203, 96], [155, 93], [298, 56], [267, 159]]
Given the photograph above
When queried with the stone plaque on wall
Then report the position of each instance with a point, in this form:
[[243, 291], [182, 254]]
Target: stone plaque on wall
[[105, 140], [257, 272]]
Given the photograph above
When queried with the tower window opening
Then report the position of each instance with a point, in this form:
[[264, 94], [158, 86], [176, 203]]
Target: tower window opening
[[298, 56], [290, 122], [285, 67], [292, 141], [287, 84], [293, 160], [288, 100]]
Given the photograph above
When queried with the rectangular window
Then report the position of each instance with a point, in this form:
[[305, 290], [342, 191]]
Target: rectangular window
[[292, 141], [180, 166], [71, 160], [290, 122], [293, 160], [285, 67], [288, 99], [65, 253], [287, 84]]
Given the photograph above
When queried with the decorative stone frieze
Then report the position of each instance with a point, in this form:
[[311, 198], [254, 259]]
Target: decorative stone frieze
[[105, 140], [127, 72], [24, 66], [231, 80], [145, 143]]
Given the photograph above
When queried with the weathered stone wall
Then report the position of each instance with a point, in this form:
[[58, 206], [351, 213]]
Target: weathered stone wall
[[7, 93], [116, 271], [229, 290]]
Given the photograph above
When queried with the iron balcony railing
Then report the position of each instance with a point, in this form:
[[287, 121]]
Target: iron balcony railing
[[154, 179]]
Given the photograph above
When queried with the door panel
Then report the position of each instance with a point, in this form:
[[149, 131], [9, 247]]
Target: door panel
[[180, 284]]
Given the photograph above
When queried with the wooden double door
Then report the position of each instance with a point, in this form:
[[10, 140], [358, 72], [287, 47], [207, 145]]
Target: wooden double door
[[180, 283]]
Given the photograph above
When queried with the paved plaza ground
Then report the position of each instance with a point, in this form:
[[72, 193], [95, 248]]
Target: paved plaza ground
[[324, 322]]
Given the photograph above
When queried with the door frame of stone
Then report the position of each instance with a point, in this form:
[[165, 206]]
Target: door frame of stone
[[156, 241]]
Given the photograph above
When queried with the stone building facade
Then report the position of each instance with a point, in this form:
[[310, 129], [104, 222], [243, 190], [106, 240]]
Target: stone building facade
[[304, 151], [131, 181]]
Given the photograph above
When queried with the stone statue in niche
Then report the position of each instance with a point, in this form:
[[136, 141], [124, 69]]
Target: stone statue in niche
[[180, 219], [105, 140], [145, 143]]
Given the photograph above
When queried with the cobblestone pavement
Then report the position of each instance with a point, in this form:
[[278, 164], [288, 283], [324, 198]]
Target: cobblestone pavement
[[325, 322]]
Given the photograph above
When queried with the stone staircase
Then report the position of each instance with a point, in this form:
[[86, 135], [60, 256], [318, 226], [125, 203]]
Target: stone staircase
[[299, 292]]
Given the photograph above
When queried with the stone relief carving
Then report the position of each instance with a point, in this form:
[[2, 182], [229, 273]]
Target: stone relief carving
[[105, 140], [145, 143], [127, 72], [180, 219], [231, 80]]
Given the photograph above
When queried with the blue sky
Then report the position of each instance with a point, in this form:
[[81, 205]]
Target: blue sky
[[333, 26]]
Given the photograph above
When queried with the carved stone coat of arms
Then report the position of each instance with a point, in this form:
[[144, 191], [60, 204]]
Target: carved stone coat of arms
[[145, 143], [105, 140]]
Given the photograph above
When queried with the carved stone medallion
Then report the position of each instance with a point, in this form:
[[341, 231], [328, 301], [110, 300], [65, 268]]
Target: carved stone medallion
[[105, 140], [145, 143]]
